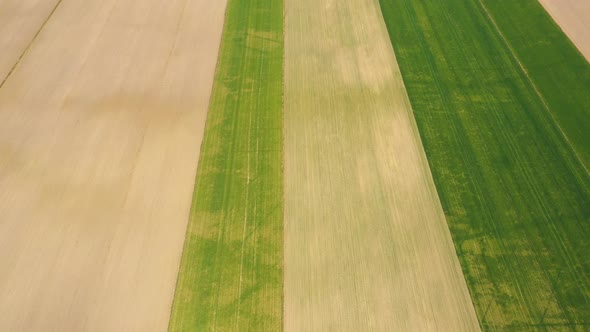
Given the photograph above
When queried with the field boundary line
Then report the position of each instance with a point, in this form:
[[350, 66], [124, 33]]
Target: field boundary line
[[244, 227], [534, 86], [29, 44], [283, 182]]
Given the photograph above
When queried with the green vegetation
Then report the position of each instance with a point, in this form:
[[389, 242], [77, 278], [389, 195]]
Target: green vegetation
[[514, 190], [231, 271], [559, 71]]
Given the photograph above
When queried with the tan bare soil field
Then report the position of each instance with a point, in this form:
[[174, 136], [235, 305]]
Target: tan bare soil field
[[367, 247], [573, 16], [100, 127], [20, 20]]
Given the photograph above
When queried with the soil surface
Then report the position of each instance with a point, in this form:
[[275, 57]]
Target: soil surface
[[102, 110]]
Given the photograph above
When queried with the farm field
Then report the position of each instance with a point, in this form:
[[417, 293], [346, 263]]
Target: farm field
[[558, 71], [231, 275], [509, 169], [572, 16], [296, 165], [367, 246], [100, 123], [19, 22]]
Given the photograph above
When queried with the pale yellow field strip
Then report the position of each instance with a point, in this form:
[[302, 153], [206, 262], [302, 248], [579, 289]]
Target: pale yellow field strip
[[367, 247], [20, 20], [100, 129], [573, 16]]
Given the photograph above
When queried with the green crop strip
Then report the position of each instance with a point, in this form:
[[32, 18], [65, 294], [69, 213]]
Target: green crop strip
[[500, 98], [230, 276], [559, 71]]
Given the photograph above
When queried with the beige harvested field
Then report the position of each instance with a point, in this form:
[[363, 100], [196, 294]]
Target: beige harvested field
[[100, 127], [367, 246], [573, 16], [20, 20]]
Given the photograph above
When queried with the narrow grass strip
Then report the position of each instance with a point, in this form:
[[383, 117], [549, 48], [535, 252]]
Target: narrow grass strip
[[230, 276], [500, 109]]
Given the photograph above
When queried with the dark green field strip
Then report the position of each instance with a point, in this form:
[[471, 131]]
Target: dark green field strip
[[231, 271], [516, 196], [557, 68]]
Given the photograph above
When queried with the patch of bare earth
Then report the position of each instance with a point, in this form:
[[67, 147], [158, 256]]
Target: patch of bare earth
[[20, 20], [100, 127], [573, 16]]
